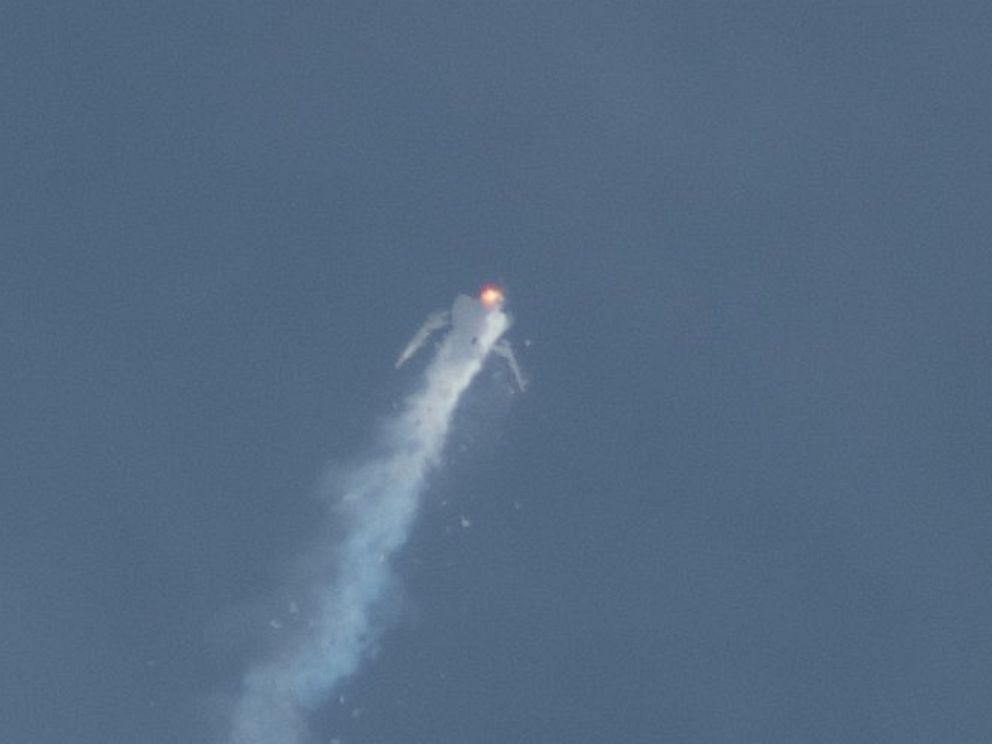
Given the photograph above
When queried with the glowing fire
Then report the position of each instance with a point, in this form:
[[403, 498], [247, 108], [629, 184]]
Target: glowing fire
[[491, 297]]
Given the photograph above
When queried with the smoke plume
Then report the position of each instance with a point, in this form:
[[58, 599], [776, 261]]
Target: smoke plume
[[373, 512]]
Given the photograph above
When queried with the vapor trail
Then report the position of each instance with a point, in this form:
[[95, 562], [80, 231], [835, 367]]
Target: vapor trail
[[379, 503]]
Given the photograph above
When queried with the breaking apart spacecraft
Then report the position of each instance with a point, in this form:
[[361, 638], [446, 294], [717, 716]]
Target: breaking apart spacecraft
[[468, 320]]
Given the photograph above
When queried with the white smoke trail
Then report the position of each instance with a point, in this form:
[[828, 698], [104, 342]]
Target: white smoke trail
[[379, 505]]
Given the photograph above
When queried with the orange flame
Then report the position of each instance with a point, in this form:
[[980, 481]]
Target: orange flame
[[491, 297]]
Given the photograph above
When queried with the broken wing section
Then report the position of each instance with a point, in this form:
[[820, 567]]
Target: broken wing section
[[435, 322], [504, 349]]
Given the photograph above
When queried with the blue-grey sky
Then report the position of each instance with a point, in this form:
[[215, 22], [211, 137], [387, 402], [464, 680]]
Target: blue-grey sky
[[747, 497]]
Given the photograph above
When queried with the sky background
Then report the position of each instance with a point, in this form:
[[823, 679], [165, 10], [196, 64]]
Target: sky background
[[747, 497]]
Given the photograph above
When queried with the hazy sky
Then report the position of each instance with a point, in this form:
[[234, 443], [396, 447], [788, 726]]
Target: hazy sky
[[747, 496]]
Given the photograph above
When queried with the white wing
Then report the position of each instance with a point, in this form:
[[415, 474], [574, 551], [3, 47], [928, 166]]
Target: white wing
[[504, 349], [434, 322]]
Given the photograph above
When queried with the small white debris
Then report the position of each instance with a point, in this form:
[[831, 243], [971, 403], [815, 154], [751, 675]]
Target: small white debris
[[275, 623], [466, 522]]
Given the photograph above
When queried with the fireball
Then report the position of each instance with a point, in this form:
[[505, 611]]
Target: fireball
[[491, 297]]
